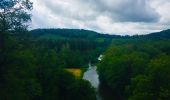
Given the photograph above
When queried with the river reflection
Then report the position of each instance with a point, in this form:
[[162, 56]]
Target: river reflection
[[92, 76], [103, 92]]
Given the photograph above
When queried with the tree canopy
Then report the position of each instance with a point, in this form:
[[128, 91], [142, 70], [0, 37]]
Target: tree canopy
[[14, 14]]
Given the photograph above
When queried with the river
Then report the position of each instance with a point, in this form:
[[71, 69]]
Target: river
[[103, 92], [92, 76]]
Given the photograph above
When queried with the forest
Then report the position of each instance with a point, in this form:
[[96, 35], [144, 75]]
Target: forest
[[137, 69], [33, 62]]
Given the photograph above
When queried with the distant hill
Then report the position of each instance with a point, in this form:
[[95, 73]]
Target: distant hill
[[165, 34], [81, 33], [72, 33]]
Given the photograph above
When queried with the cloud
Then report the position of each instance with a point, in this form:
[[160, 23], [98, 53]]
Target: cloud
[[162, 7], [71, 9], [106, 16], [127, 10]]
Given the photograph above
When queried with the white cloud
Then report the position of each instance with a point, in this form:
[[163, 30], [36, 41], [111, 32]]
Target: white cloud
[[163, 9], [106, 16]]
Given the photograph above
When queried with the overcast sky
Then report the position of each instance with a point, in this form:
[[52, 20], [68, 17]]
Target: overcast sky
[[106, 16]]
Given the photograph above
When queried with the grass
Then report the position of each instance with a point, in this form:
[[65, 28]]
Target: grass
[[75, 71]]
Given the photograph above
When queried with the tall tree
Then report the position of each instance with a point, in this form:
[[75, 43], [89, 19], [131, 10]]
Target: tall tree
[[14, 15]]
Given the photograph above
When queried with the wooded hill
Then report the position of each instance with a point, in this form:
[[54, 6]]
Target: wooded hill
[[81, 33]]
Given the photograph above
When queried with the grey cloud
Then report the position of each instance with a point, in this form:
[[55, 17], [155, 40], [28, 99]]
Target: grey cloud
[[118, 10], [106, 16], [127, 10], [73, 9]]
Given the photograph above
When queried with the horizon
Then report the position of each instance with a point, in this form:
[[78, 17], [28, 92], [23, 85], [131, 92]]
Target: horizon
[[123, 17], [98, 32]]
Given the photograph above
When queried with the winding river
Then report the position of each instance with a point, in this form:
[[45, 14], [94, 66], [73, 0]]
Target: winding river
[[103, 92], [92, 76]]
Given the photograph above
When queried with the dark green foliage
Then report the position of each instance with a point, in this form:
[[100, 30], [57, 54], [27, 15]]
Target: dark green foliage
[[137, 70], [120, 62], [85, 46], [165, 34], [154, 84], [18, 75], [76, 48], [72, 33], [62, 85], [37, 74], [33, 67], [29, 69]]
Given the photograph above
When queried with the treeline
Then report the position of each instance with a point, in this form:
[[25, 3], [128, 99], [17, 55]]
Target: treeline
[[73, 33], [76, 48], [165, 34], [137, 69], [87, 34]]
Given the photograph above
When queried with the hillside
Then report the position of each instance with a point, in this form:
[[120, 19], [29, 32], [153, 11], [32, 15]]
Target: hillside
[[72, 33], [165, 34], [81, 33]]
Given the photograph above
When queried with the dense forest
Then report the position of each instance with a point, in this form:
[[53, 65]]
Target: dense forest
[[32, 69], [73, 45], [138, 69], [33, 62]]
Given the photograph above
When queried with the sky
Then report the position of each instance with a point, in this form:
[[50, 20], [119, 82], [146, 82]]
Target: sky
[[123, 17]]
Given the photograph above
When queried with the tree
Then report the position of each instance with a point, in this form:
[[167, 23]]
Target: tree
[[14, 15], [154, 85]]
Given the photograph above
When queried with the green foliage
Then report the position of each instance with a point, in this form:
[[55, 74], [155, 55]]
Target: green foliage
[[76, 48], [18, 76], [140, 88], [137, 71], [31, 72], [34, 67], [63, 86], [122, 63], [37, 74], [13, 14], [154, 84]]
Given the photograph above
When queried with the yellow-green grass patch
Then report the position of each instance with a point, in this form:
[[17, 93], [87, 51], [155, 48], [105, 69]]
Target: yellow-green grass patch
[[75, 71]]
